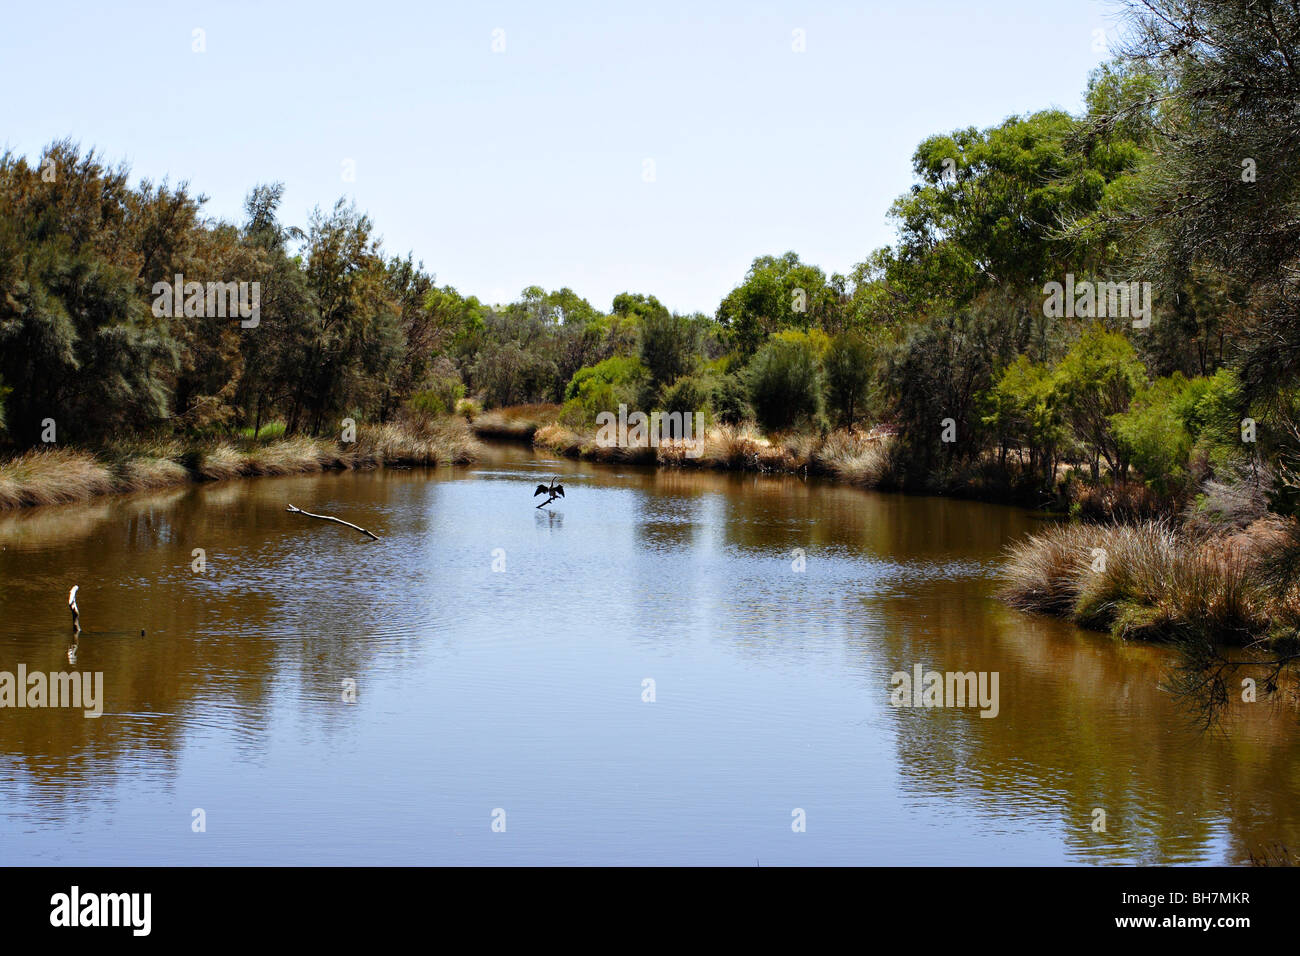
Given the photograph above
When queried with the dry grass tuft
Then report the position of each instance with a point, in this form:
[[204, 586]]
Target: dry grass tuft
[[52, 476], [855, 457], [220, 462], [1145, 581], [146, 472], [58, 476], [571, 444], [289, 456], [444, 441]]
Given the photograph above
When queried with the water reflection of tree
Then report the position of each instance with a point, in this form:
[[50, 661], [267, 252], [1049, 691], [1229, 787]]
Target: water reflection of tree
[[287, 611], [282, 610], [1084, 725]]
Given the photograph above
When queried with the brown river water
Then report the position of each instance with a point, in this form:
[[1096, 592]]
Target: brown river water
[[648, 672]]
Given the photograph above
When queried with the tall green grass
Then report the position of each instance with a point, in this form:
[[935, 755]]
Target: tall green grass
[[269, 431]]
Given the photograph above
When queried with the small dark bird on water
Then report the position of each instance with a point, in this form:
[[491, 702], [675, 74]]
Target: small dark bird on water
[[553, 490]]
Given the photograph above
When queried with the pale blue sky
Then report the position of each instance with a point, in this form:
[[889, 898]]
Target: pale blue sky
[[501, 170]]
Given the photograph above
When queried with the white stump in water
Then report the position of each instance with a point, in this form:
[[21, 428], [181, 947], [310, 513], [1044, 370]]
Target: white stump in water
[[72, 606]]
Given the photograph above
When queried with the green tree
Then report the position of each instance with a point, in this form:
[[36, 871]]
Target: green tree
[[602, 388], [273, 352], [78, 341], [785, 387], [1020, 412], [1224, 106], [849, 365], [356, 337], [669, 349], [1153, 433], [730, 400], [780, 293], [989, 205], [1096, 381]]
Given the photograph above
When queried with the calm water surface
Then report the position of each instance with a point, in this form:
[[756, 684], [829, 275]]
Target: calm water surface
[[521, 689]]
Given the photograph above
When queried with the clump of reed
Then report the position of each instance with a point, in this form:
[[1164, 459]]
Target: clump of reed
[[417, 441], [1140, 581], [855, 457], [144, 472], [52, 476], [218, 463], [743, 448], [142, 465], [288, 456]]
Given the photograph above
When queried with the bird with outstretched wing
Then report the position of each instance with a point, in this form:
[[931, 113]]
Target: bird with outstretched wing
[[552, 490]]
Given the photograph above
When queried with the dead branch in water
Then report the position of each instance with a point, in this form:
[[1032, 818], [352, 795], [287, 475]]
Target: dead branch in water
[[299, 511]]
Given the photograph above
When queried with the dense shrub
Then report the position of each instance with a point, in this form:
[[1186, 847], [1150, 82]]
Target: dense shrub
[[730, 400], [849, 370], [440, 398], [785, 384], [689, 394]]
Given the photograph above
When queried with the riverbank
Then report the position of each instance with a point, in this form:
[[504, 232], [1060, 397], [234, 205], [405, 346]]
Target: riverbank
[[63, 475], [862, 457], [854, 456], [1154, 580]]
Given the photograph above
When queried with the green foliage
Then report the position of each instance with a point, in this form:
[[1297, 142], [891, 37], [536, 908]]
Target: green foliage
[[636, 305], [988, 206], [354, 334], [689, 394], [619, 370], [730, 400], [780, 293], [441, 398], [785, 384], [78, 342], [669, 348], [1211, 198], [1153, 433], [602, 388], [1096, 381], [849, 367], [1020, 413], [1212, 410], [267, 432]]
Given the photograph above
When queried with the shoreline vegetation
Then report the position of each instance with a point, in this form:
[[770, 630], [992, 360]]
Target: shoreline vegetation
[[853, 455], [57, 475]]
